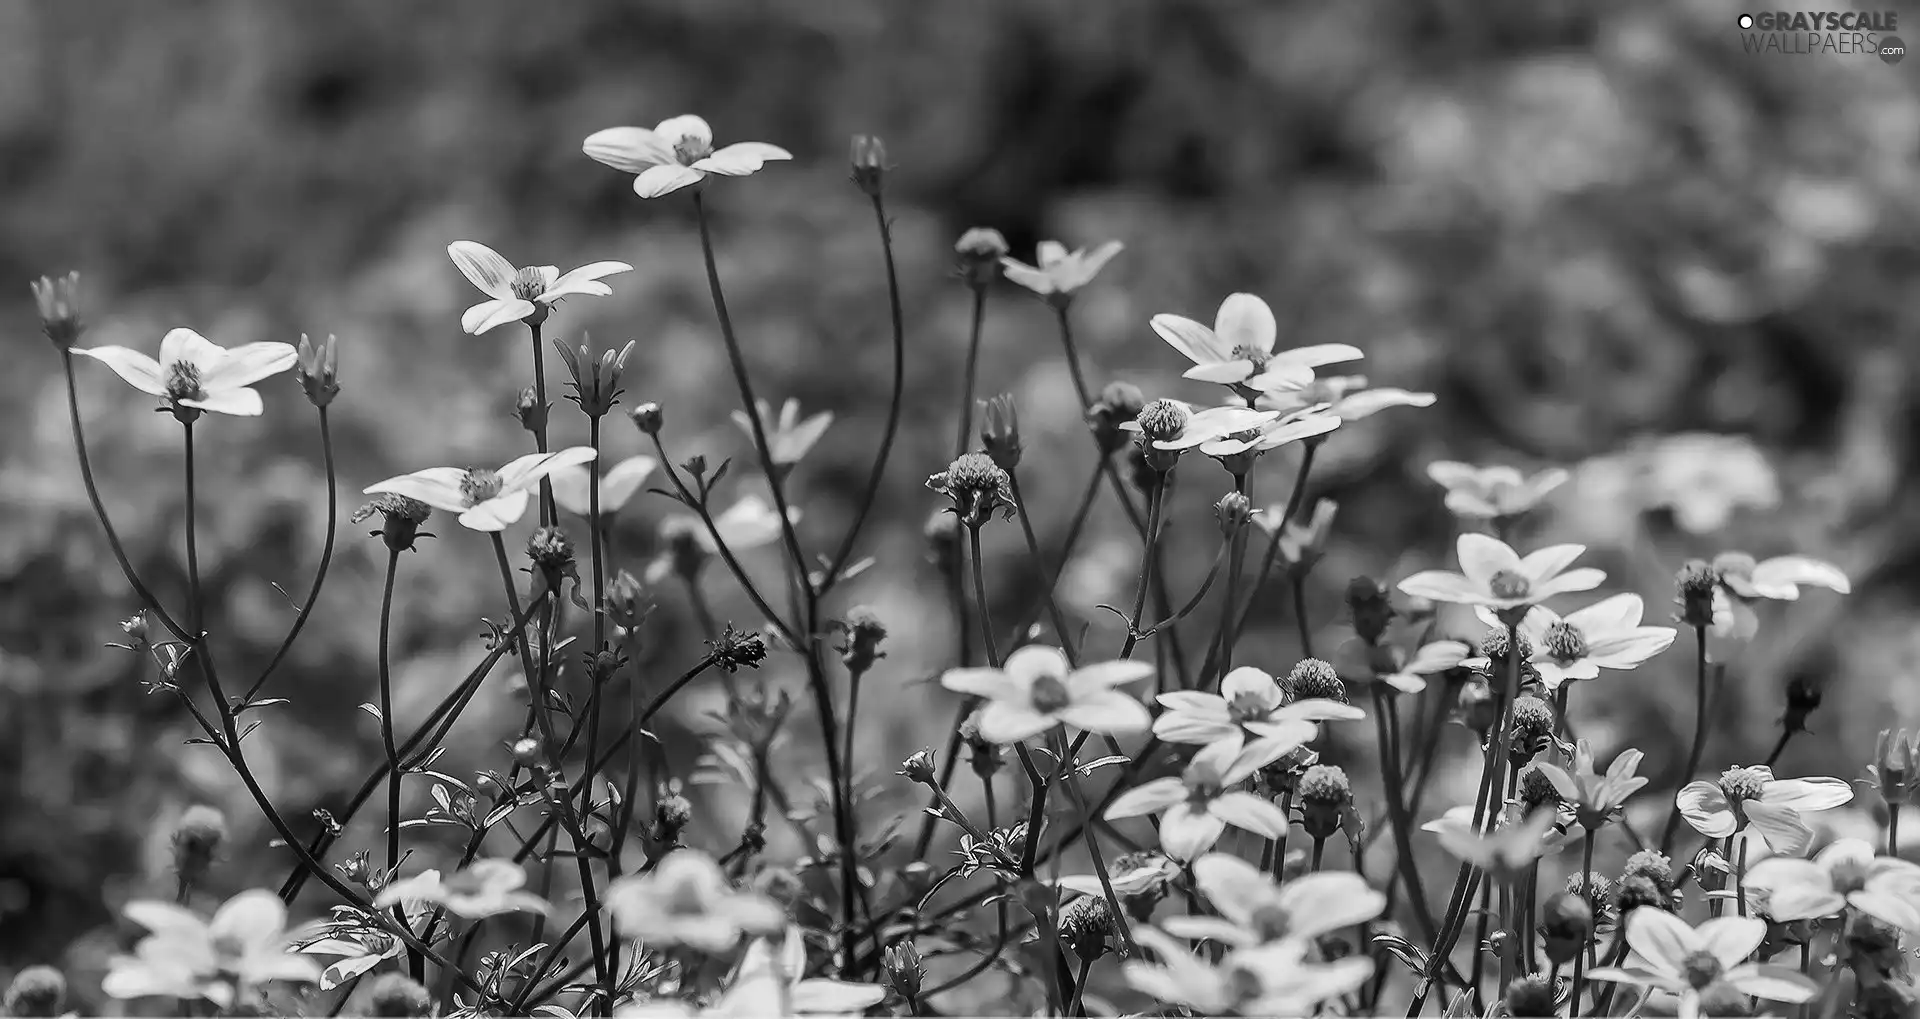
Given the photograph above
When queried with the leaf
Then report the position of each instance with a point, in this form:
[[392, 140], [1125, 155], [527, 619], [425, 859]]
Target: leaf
[[1406, 951], [244, 733], [441, 797], [370, 708], [267, 703], [498, 814], [1086, 770]]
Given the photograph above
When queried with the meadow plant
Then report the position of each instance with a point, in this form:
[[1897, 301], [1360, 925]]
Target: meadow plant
[[1171, 764]]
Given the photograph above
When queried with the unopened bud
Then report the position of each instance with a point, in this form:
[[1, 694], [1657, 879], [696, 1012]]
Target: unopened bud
[[530, 412], [1324, 795], [317, 364], [400, 519], [1119, 403], [1371, 608], [904, 969], [58, 300], [980, 251], [138, 628], [551, 551], [1532, 728], [648, 418], [396, 994], [197, 838], [626, 601], [1533, 995], [1232, 511], [1476, 708], [358, 869], [869, 160], [686, 552], [37, 991], [919, 768], [1565, 926], [1000, 431], [529, 753], [864, 631], [1697, 582]]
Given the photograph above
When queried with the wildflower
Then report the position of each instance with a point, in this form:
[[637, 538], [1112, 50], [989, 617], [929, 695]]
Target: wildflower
[[1670, 956], [195, 374], [318, 370], [1036, 690], [1059, 273], [977, 486], [1325, 796], [1752, 795], [218, 960], [1238, 350], [1313, 679], [196, 841], [1896, 756], [396, 994], [678, 152], [787, 962], [686, 900], [1085, 925], [1198, 806], [1300, 542], [1744, 581], [1139, 881], [481, 889], [1494, 575], [1846, 873], [1272, 979], [36, 991], [1409, 674], [790, 437], [1249, 699], [864, 631], [1595, 798], [904, 968], [1343, 396], [1492, 493], [58, 301], [1000, 431], [486, 500], [980, 250], [1604, 635], [515, 294], [1253, 910], [1510, 847], [1119, 403], [617, 487], [595, 380]]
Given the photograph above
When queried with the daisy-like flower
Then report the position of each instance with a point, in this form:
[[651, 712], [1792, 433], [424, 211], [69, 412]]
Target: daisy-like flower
[[481, 889], [677, 153], [1249, 700], [1743, 581], [1132, 876], [243, 946], [1846, 873], [1410, 674], [1060, 273], [1492, 493], [486, 500], [1274, 979], [1670, 956], [358, 945], [1604, 635], [1594, 797], [1198, 806], [787, 962], [1037, 690], [1346, 397], [1211, 424], [1255, 911], [515, 294], [1494, 575], [195, 374], [1238, 350], [1771, 805], [791, 436], [1270, 436], [1509, 848], [572, 491], [686, 900], [1300, 540]]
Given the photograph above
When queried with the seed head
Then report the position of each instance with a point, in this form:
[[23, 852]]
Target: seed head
[[670, 815], [1494, 646], [1532, 728], [37, 991], [864, 631], [396, 994], [980, 251], [978, 487], [1696, 582], [1532, 995], [1636, 890], [1536, 789], [1325, 796], [197, 838], [1000, 431], [1162, 420], [869, 160], [1085, 925], [648, 418], [1743, 784], [735, 650], [1313, 679], [1371, 608], [1119, 403], [1565, 642], [400, 519], [58, 300]]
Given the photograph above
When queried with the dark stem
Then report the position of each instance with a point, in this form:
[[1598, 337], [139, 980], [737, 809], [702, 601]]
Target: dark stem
[[320, 575], [965, 438], [547, 512], [1040, 563], [415, 964], [1699, 732]]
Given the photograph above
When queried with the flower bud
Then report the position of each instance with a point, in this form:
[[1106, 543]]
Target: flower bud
[[37, 991], [1697, 581], [396, 994], [905, 972], [529, 753], [735, 650], [648, 418], [1533, 995], [317, 366], [358, 869], [1000, 431], [942, 532], [864, 632], [1653, 865], [1476, 708], [139, 629], [978, 487], [1564, 926], [919, 768], [1085, 925], [595, 376], [1119, 403], [627, 603], [58, 300], [685, 550], [1637, 890], [1232, 511], [982, 756], [670, 816], [197, 838], [1532, 729], [1314, 680], [980, 250], [1371, 608], [869, 159], [552, 554], [1324, 795], [1803, 699], [400, 519], [530, 412]]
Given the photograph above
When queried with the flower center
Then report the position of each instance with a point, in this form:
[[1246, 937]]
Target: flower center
[[464, 883], [528, 284], [1270, 922], [480, 485], [1701, 969], [183, 381], [1743, 784], [689, 149], [228, 948], [1848, 875], [1049, 695], [1243, 984], [685, 900], [1246, 707], [1507, 584], [1254, 354], [1565, 642]]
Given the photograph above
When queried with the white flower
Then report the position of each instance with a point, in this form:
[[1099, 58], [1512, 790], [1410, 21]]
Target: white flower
[[1744, 581], [1060, 272], [1495, 576], [1771, 805], [481, 889], [1131, 875], [1491, 493], [1273, 434], [1346, 397], [676, 153], [1238, 350], [1604, 635], [572, 492], [1253, 910], [515, 294], [686, 900], [1249, 698], [1276, 979], [196, 373], [815, 996], [1036, 690], [183, 956], [1846, 873], [1209, 425], [1199, 805], [486, 500], [1670, 956], [1437, 656], [790, 437], [1510, 845]]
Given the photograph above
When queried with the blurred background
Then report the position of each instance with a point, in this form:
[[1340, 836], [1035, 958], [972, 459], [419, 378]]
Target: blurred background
[[1604, 237]]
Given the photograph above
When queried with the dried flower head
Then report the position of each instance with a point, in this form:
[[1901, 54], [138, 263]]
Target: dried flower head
[[735, 650], [400, 519], [978, 488]]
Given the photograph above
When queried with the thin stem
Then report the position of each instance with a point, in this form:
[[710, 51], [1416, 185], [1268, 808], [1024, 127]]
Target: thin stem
[[320, 575], [1295, 499], [965, 438], [1039, 561], [1586, 888], [986, 615], [599, 556], [1893, 828], [415, 964], [697, 504], [1079, 1006], [1699, 731], [1156, 501], [1404, 862], [547, 512]]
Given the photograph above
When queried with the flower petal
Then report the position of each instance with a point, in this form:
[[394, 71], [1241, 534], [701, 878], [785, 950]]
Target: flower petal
[[1035, 661], [1664, 941], [1780, 576], [1225, 373], [1619, 612], [1147, 798], [741, 158], [249, 363], [1106, 675], [186, 346], [510, 310], [1327, 901], [1315, 355], [139, 370], [1108, 712], [1543, 565], [1232, 885], [524, 471], [1482, 556], [1773, 983], [1186, 833], [620, 483], [438, 487], [497, 513], [584, 280], [483, 267], [686, 127], [1731, 938], [1571, 582], [1780, 826], [1200, 344], [1706, 808], [665, 179], [1248, 812], [1245, 321], [821, 996], [1806, 793], [993, 684], [255, 918], [1444, 586], [1369, 402], [572, 488], [1625, 650], [631, 149], [238, 402], [1005, 721]]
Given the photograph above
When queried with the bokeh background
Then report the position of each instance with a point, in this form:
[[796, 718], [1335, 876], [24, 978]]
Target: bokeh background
[[1602, 235]]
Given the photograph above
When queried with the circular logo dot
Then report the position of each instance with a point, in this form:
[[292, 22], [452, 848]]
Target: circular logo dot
[[1746, 21], [1892, 49]]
